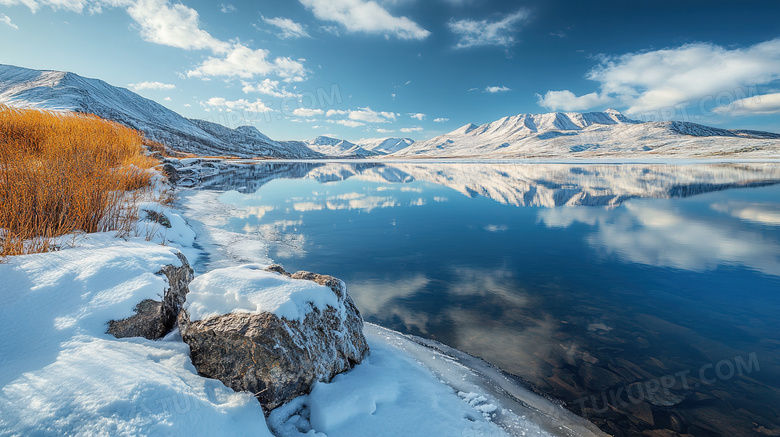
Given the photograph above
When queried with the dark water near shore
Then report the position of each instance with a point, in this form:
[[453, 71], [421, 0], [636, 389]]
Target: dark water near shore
[[647, 297]]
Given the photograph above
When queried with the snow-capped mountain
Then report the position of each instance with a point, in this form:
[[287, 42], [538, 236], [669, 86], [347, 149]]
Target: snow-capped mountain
[[335, 147], [385, 145], [368, 147], [60, 90], [607, 134]]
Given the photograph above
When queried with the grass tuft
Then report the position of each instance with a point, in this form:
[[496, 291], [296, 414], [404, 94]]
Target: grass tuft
[[62, 173]]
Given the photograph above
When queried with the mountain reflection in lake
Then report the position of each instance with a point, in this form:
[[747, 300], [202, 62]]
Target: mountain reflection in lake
[[650, 288]]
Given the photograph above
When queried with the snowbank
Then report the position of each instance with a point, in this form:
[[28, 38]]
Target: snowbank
[[63, 375], [250, 289], [389, 394]]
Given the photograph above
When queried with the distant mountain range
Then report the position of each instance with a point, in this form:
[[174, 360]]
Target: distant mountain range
[[606, 134], [365, 148], [593, 135], [385, 145]]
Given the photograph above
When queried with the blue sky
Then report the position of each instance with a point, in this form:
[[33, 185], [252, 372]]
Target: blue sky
[[414, 68]]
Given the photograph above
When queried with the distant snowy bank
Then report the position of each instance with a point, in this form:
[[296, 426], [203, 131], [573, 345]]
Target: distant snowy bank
[[64, 375]]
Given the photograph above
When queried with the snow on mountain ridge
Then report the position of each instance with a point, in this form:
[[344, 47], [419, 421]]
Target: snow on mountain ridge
[[385, 145], [323, 140], [607, 134], [335, 147]]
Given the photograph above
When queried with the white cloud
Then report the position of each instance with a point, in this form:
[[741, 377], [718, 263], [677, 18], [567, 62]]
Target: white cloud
[[7, 20], [475, 33], [366, 115], [237, 105], [227, 8], [440, 120], [333, 30], [348, 123], [173, 25], [690, 74], [365, 16], [288, 28], [370, 116], [419, 116], [167, 99], [411, 129], [290, 69], [497, 89], [268, 87], [384, 131], [241, 61], [760, 104], [151, 86], [567, 101], [306, 112]]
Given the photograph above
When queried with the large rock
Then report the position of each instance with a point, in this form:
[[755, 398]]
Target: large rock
[[153, 319], [271, 333]]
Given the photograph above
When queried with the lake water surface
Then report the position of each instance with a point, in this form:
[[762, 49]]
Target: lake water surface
[[646, 297]]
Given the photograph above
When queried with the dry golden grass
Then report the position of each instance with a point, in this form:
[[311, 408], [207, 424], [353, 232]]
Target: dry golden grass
[[63, 173], [161, 149]]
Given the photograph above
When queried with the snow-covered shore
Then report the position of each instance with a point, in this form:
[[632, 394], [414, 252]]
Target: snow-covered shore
[[62, 374]]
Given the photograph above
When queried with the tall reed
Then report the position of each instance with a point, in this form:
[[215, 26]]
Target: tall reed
[[63, 172]]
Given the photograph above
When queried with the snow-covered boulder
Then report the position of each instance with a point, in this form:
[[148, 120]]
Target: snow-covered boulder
[[271, 333], [153, 319]]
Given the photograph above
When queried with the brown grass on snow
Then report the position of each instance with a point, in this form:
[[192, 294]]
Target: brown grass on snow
[[64, 172]]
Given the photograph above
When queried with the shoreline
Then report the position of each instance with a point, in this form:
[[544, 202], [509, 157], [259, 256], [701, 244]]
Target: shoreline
[[539, 390], [79, 325]]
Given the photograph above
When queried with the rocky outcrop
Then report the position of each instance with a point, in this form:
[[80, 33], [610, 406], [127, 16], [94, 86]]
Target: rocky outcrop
[[154, 319], [275, 358]]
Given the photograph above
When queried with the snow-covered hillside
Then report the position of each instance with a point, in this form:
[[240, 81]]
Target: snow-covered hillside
[[606, 134], [385, 145], [334, 147], [364, 148], [68, 91]]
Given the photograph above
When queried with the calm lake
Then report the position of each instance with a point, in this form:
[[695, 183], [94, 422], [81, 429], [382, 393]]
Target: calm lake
[[645, 297]]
